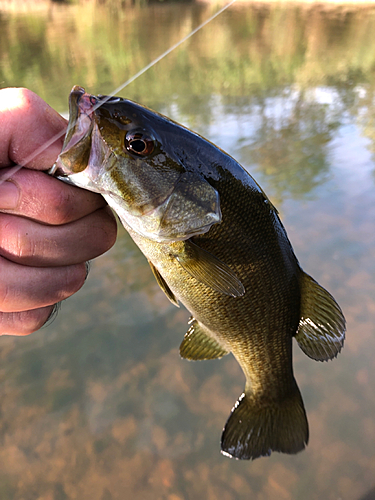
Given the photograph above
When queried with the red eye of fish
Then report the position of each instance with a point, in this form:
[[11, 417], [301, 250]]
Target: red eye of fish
[[139, 143]]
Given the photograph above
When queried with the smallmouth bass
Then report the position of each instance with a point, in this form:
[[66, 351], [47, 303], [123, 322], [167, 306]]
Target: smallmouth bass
[[216, 244]]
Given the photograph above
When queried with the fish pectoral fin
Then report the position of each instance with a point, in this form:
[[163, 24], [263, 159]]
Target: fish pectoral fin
[[256, 428], [163, 285], [207, 269], [321, 330], [197, 345]]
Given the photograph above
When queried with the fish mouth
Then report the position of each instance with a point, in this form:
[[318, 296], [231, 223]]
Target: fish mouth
[[81, 108], [74, 155]]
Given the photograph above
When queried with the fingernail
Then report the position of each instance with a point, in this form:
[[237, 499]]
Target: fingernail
[[9, 195]]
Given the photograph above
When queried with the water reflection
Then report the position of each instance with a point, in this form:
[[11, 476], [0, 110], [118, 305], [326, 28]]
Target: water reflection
[[99, 405]]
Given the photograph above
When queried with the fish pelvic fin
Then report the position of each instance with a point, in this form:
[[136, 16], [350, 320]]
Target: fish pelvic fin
[[255, 430], [321, 330], [197, 345], [163, 285]]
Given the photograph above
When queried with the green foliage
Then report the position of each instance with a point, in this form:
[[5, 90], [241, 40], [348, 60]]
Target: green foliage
[[248, 50], [258, 52]]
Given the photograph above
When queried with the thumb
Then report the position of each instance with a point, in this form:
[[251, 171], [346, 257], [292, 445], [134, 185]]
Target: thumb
[[32, 132]]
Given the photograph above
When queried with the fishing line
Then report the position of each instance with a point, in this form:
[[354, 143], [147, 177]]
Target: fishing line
[[164, 54], [57, 136]]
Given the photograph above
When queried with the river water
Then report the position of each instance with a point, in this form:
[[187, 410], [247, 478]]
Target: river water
[[98, 405]]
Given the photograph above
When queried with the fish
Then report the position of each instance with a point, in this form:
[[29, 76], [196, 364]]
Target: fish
[[215, 243]]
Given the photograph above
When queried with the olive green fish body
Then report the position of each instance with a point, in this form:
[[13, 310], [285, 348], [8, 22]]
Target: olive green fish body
[[215, 243], [256, 327], [265, 317]]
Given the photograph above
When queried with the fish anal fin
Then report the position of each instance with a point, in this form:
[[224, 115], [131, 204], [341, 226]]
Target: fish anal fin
[[197, 345], [163, 285], [207, 269], [254, 430], [321, 330]]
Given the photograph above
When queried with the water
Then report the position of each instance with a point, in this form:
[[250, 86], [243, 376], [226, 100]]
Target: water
[[98, 404]]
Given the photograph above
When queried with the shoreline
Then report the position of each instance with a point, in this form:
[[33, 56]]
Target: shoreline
[[45, 6], [30, 4]]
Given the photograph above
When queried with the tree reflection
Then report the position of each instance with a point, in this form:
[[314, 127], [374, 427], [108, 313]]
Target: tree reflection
[[291, 145], [363, 110]]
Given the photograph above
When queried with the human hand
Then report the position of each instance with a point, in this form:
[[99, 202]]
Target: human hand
[[48, 229]]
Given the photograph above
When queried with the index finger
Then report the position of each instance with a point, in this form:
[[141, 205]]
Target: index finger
[[46, 199]]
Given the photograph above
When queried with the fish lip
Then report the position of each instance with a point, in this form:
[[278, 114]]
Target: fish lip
[[81, 105], [81, 120], [81, 100]]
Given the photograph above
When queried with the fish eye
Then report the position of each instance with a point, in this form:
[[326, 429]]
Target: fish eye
[[139, 143]]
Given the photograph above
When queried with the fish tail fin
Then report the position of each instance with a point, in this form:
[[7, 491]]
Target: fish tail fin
[[254, 429]]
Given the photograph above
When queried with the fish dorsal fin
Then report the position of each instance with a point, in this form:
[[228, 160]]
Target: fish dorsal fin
[[207, 269], [163, 285], [197, 345], [321, 330]]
